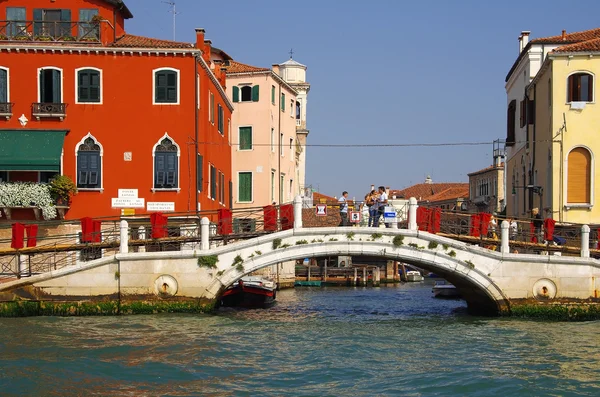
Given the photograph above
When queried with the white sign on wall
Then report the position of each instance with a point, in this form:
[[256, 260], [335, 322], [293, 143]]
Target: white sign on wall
[[162, 206], [127, 202], [128, 193]]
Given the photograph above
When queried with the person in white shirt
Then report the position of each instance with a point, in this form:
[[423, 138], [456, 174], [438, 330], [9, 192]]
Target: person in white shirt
[[381, 203], [343, 201]]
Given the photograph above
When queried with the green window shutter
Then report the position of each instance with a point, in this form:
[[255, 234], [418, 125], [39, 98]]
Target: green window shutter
[[230, 194], [245, 186], [283, 102], [3, 86], [56, 86], [213, 182], [165, 87], [254, 93], [236, 94], [212, 108], [245, 138], [37, 25], [88, 89], [273, 94], [199, 170], [220, 119]]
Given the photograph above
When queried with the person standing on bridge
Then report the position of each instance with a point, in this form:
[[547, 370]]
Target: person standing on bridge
[[370, 200], [380, 204], [343, 202], [538, 222]]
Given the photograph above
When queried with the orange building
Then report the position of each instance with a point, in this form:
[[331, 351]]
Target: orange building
[[135, 122]]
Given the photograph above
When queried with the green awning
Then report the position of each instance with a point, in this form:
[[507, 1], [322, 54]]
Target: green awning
[[31, 150]]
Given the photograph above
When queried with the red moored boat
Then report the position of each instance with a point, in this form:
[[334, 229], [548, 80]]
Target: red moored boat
[[250, 292]]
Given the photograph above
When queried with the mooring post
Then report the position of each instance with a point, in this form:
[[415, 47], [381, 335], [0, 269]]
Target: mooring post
[[298, 212], [204, 234], [364, 280], [355, 277], [325, 272], [504, 228], [412, 213], [124, 235], [585, 241]]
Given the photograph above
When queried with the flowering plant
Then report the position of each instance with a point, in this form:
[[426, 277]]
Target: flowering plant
[[27, 194], [62, 188]]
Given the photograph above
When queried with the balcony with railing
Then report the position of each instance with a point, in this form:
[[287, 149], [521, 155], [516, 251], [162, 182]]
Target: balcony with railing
[[49, 110], [50, 31], [6, 110]]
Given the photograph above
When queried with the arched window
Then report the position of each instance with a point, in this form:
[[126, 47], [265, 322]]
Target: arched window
[[166, 164], [89, 164], [579, 176], [580, 88]]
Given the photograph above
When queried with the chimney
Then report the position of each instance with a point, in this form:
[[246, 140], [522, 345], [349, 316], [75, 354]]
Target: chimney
[[387, 190], [200, 38], [206, 50], [525, 38], [223, 79], [520, 44], [564, 34], [275, 68]]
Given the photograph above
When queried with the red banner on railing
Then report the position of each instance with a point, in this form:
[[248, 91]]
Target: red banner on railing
[[270, 214], [287, 216], [549, 229], [475, 229], [87, 230], [423, 218], [97, 231], [32, 231], [18, 232], [224, 226], [484, 219], [159, 225], [532, 230], [435, 217]]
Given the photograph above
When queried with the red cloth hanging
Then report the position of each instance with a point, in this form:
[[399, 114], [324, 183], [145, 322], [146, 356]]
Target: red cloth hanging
[[287, 216], [159, 225], [484, 219], [97, 231], [270, 214], [533, 236], [87, 229], [475, 225], [224, 226], [435, 217], [18, 232], [423, 215], [31, 231], [549, 229]]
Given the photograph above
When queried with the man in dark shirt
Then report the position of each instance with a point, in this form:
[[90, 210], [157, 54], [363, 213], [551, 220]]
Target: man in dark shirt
[[538, 222]]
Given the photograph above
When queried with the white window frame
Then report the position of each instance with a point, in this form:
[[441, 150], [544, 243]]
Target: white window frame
[[592, 177], [81, 142], [77, 86], [8, 82], [237, 197], [62, 85], [178, 72], [241, 86], [240, 141], [178, 188], [210, 165]]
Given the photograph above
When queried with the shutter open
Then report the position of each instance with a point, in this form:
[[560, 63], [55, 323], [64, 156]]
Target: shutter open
[[3, 86], [254, 93], [236, 94], [213, 182], [199, 170], [579, 177], [56, 82]]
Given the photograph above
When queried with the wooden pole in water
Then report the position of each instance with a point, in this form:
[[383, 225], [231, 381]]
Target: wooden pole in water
[[364, 280], [403, 277], [355, 277]]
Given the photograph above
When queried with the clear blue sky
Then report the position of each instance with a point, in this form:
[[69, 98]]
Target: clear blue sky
[[385, 72]]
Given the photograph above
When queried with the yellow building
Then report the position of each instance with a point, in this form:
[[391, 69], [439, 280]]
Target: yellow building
[[551, 165]]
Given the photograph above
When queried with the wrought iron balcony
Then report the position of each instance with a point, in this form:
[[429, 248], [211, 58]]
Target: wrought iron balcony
[[45, 31], [49, 110], [6, 109]]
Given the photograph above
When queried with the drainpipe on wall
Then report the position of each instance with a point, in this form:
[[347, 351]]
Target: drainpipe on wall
[[196, 127], [280, 148]]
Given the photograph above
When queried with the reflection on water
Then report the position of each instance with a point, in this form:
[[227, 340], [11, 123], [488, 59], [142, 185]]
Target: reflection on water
[[394, 340]]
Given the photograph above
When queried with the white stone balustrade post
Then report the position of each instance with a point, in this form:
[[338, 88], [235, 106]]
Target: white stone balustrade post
[[142, 236], [124, 235], [298, 212], [412, 213], [585, 241], [204, 234], [504, 229]]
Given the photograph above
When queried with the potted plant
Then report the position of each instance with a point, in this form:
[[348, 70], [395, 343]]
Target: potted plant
[[62, 188]]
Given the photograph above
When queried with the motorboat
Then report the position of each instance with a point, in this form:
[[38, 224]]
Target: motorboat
[[414, 275], [443, 289], [250, 292]]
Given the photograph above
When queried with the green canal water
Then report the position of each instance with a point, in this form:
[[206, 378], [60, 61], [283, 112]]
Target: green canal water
[[388, 341]]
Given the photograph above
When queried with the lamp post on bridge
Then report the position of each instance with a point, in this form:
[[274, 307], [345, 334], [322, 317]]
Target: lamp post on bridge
[[539, 190]]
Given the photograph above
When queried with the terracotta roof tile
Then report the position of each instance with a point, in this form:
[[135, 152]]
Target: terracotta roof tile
[[584, 46], [133, 41], [574, 37], [491, 167], [450, 194], [423, 191], [237, 67]]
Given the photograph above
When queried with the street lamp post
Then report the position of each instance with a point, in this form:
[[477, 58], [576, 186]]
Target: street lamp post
[[539, 190]]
